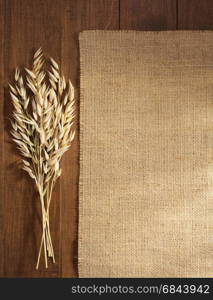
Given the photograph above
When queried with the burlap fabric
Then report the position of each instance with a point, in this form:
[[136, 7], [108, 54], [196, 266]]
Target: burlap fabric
[[146, 154]]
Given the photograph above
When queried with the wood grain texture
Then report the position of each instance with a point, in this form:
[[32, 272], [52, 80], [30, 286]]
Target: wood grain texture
[[28, 25], [55, 26], [195, 14], [148, 14], [1, 136]]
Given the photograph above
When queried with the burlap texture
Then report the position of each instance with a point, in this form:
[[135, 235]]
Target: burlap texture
[[146, 147]]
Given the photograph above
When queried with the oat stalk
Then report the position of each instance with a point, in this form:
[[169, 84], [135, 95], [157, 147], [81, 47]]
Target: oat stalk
[[42, 128]]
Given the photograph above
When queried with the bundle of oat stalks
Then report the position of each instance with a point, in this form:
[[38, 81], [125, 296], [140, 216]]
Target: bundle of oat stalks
[[42, 122]]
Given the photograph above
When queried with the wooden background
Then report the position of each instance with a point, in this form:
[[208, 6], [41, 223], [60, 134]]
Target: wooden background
[[54, 25]]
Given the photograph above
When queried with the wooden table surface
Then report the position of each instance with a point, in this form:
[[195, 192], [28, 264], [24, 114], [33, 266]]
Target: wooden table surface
[[54, 25]]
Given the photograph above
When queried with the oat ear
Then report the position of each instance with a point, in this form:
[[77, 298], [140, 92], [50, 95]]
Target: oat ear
[[42, 128]]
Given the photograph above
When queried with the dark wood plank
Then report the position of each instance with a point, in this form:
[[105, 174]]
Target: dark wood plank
[[195, 14], [148, 14], [55, 26], [28, 25], [77, 15], [1, 137]]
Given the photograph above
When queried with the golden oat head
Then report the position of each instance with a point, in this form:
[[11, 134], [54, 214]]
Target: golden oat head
[[42, 128]]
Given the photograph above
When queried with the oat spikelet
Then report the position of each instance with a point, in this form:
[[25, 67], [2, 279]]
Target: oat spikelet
[[42, 128]]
